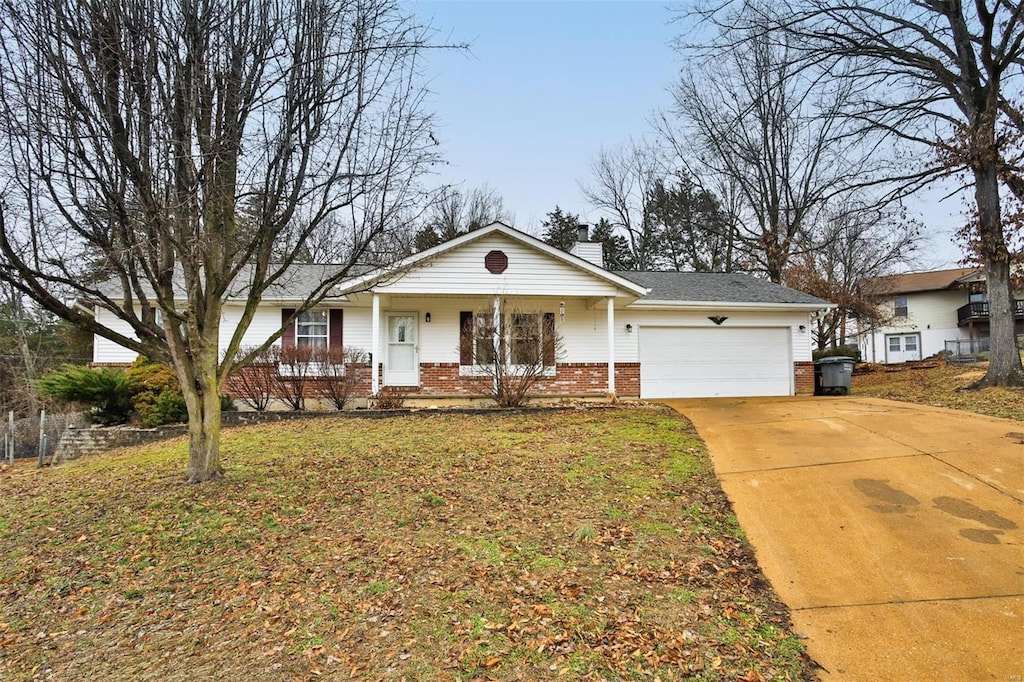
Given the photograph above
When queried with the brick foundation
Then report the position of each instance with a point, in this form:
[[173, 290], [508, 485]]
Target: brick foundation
[[803, 374]]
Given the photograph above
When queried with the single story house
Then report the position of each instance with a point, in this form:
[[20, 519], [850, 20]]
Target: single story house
[[927, 313], [628, 334]]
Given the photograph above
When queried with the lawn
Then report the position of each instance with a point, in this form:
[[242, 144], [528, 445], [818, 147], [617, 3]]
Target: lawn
[[940, 384], [590, 544]]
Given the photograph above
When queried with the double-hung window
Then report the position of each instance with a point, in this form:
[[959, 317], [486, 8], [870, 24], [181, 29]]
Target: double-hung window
[[311, 329], [524, 339], [520, 339], [899, 306]]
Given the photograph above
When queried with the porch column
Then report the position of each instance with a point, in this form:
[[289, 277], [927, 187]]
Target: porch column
[[375, 345], [611, 345]]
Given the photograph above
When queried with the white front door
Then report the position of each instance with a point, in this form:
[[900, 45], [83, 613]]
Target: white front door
[[401, 363], [902, 348]]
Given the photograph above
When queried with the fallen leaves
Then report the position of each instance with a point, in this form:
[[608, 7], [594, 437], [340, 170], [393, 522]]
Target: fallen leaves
[[422, 547]]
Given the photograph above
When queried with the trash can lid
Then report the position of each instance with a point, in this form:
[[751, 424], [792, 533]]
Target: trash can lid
[[836, 358]]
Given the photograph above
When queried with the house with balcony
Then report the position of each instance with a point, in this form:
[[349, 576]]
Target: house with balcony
[[925, 313]]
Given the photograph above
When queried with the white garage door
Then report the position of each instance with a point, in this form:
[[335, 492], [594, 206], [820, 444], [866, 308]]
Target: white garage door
[[702, 362]]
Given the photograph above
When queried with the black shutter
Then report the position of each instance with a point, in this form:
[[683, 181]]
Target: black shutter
[[288, 336], [547, 339], [465, 338]]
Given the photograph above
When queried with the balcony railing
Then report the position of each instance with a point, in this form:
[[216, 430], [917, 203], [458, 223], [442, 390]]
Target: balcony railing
[[978, 311]]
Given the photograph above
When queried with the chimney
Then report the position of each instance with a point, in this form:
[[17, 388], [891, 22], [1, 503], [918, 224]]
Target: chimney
[[592, 252]]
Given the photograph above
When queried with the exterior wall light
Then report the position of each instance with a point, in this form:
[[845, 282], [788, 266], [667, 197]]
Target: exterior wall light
[[803, 328], [426, 318], [629, 329], [561, 311]]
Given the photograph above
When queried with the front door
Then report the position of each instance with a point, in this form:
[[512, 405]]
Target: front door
[[902, 348], [402, 365]]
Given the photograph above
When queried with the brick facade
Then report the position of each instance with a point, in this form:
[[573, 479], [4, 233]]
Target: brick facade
[[571, 378], [803, 374]]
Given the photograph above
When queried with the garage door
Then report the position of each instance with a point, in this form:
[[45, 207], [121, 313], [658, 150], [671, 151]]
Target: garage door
[[701, 362]]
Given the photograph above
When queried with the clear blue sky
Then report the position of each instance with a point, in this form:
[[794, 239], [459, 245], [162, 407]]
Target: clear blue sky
[[547, 83]]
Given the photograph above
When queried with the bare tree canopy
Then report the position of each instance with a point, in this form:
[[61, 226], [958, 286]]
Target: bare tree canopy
[[855, 242], [748, 116], [622, 180], [161, 156], [456, 212], [944, 76]]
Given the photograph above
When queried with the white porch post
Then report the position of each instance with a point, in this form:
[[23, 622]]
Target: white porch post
[[375, 345], [611, 345]]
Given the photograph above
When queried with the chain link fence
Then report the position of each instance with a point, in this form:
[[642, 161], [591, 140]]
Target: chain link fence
[[28, 437]]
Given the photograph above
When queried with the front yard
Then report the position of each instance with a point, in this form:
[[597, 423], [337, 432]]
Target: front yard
[[587, 544], [940, 384]]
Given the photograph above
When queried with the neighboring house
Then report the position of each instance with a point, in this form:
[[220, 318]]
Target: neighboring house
[[630, 334], [925, 311]]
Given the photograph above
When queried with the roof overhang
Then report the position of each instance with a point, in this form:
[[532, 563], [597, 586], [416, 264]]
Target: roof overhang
[[731, 305]]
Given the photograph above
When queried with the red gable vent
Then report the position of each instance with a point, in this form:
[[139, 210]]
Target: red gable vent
[[496, 262]]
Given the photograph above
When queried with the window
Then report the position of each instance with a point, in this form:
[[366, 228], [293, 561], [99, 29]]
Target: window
[[524, 339], [899, 305], [894, 344], [977, 297], [311, 329], [910, 344], [483, 340]]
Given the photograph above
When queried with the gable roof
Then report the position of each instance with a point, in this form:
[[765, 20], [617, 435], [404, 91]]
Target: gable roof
[[911, 282], [719, 287], [368, 280]]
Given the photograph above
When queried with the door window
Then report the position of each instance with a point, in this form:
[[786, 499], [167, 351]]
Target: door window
[[894, 344], [401, 343], [910, 344]]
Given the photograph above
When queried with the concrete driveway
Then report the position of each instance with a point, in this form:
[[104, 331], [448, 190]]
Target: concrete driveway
[[892, 531]]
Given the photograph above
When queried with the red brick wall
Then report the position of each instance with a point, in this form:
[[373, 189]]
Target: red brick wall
[[442, 378], [803, 373]]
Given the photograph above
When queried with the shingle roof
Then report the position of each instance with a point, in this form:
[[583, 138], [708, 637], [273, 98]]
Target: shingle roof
[[934, 280], [296, 282], [712, 287]]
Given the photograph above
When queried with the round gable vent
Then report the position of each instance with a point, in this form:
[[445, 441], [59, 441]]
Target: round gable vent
[[496, 262]]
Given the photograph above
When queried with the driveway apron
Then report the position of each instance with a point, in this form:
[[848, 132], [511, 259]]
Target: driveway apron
[[892, 531]]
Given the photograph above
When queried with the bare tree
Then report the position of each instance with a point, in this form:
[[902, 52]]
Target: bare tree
[[161, 156], [455, 212], [857, 242], [938, 76], [514, 349], [747, 116], [622, 182]]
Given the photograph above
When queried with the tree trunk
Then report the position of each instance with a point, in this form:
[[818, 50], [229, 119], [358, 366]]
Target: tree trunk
[[1004, 366], [202, 399]]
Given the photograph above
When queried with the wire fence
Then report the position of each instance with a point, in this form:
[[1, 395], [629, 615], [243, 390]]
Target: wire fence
[[29, 440]]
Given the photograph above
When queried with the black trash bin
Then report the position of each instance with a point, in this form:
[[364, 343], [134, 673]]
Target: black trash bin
[[832, 375]]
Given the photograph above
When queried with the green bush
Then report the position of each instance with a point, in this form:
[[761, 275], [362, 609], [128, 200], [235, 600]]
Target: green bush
[[156, 395], [107, 392], [836, 351]]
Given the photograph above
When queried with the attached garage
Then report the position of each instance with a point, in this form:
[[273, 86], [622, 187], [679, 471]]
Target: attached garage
[[705, 362]]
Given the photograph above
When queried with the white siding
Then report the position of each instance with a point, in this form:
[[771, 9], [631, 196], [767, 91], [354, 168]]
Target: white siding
[[530, 272], [105, 351], [627, 349], [932, 314]]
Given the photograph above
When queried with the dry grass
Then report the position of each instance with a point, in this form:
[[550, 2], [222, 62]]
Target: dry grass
[[942, 385], [586, 544]]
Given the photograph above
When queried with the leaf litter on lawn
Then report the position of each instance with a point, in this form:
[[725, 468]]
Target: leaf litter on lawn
[[590, 544]]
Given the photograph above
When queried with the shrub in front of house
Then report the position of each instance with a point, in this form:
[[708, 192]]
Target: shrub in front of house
[[156, 395], [107, 392]]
